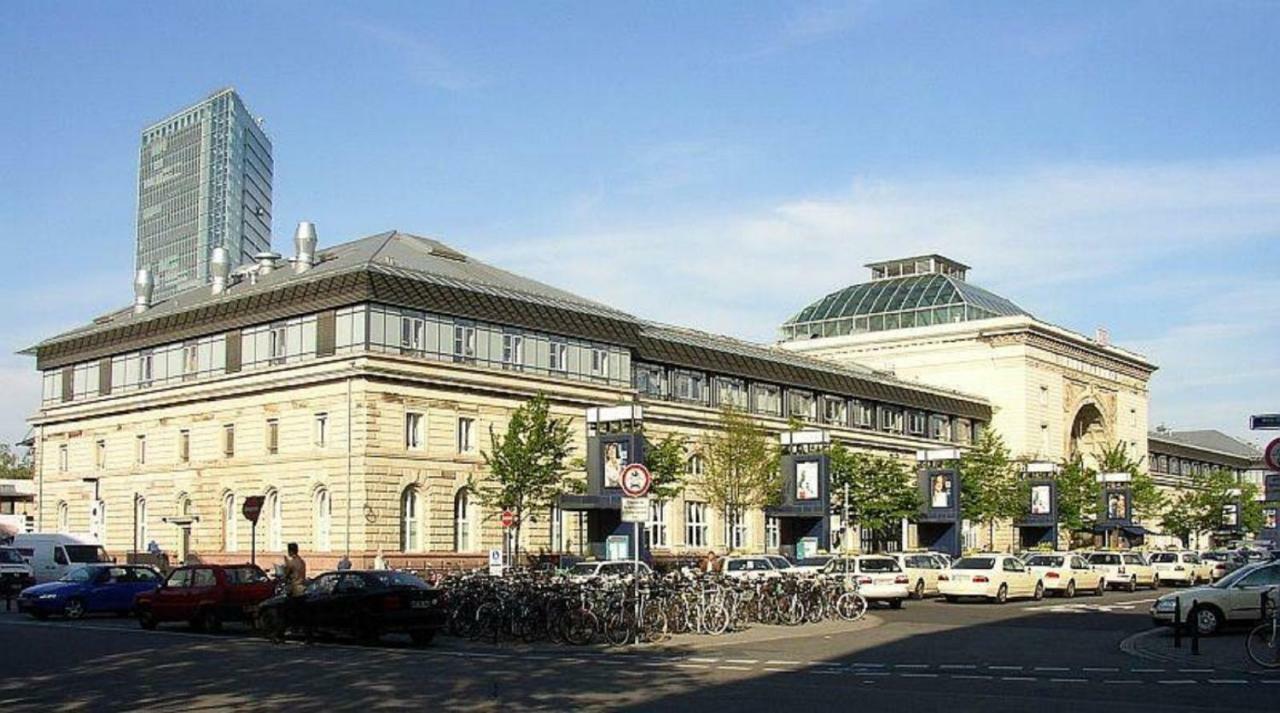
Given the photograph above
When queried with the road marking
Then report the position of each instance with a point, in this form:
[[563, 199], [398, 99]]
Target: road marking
[[1005, 668], [782, 662], [918, 675], [1224, 681], [698, 660], [871, 673], [868, 665], [972, 677], [1016, 678], [826, 663], [1100, 669], [823, 671], [1195, 670], [734, 668], [1051, 668], [691, 665], [962, 666], [741, 661], [911, 665], [1146, 670], [1068, 680], [1126, 681], [1177, 682]]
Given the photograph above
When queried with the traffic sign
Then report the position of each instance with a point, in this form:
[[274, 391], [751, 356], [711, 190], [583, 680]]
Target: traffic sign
[[1272, 454], [495, 563], [1265, 422], [252, 508], [635, 480], [508, 518], [635, 510]]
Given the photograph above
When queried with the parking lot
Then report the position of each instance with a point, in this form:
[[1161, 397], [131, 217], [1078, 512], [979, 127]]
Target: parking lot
[[1052, 654]]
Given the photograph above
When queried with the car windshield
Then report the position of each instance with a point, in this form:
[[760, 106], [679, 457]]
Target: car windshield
[[88, 554], [779, 563], [975, 563], [1164, 557], [1044, 561], [1229, 580], [1216, 556], [11, 557], [584, 568], [245, 575], [1104, 559], [813, 561], [878, 565], [399, 579], [79, 574]]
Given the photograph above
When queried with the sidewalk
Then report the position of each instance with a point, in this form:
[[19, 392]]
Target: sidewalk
[[1224, 652]]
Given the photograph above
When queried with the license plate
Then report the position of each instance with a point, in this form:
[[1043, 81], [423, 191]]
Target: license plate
[[420, 605]]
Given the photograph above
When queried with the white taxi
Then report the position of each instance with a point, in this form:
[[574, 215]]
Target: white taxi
[[995, 577], [1236, 597], [922, 570], [879, 578], [746, 567], [1181, 568], [1129, 570], [1064, 573]]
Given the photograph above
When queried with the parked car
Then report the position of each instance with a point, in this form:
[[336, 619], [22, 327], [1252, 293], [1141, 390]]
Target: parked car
[[781, 564], [995, 577], [922, 570], [15, 574], [810, 565], [52, 555], [89, 589], [746, 567], [880, 578], [1224, 562], [609, 568], [205, 596], [1129, 570], [364, 604], [1065, 574], [1181, 568], [1236, 597]]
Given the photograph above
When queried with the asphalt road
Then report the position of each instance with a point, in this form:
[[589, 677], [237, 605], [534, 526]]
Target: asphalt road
[[930, 656]]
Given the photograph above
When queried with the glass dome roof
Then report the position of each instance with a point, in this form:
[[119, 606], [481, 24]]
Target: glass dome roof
[[897, 303]]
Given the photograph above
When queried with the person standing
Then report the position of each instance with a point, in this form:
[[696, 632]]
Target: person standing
[[295, 587]]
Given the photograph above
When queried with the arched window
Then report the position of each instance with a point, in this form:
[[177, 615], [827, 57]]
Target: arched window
[[462, 521], [271, 509], [694, 466], [409, 540], [140, 540], [64, 514], [229, 520], [321, 519]]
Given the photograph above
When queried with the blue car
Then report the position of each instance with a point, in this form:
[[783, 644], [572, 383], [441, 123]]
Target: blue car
[[91, 589]]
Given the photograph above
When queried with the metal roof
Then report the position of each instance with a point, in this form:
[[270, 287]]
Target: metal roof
[[410, 271], [1209, 440]]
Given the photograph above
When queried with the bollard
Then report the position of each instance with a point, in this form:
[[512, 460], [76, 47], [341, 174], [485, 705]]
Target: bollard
[[1178, 623], [1195, 630]]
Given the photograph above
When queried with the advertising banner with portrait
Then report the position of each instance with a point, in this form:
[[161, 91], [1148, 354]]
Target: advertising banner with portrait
[[1117, 506], [940, 490], [607, 455], [805, 483], [1231, 516], [1042, 503]]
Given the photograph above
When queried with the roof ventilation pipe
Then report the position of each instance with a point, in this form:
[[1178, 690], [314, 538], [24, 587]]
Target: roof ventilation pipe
[[304, 245], [143, 285], [220, 269], [266, 262]]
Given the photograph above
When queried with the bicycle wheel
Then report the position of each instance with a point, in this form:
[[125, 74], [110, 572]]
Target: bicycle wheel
[[654, 624], [578, 627], [1263, 645], [620, 627], [715, 619], [851, 606]]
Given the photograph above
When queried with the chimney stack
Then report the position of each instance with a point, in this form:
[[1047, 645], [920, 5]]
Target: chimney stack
[[220, 269], [304, 244], [143, 286]]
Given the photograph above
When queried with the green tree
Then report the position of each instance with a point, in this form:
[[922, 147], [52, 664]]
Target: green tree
[[527, 465], [741, 466], [666, 463], [1182, 518], [988, 489], [882, 489], [1078, 495], [13, 465]]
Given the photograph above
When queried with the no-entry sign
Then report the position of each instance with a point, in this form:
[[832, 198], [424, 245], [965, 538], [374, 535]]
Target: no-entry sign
[[1272, 454], [508, 518], [635, 480], [252, 508]]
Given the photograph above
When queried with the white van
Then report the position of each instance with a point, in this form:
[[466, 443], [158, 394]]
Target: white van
[[50, 556]]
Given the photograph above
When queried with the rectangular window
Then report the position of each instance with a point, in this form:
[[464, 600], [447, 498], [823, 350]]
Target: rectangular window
[[647, 379], [864, 414], [322, 430], [735, 533], [279, 349], [62, 458], [466, 435], [146, 368], [184, 446], [140, 450], [412, 335], [190, 360], [689, 386], [512, 351], [891, 419], [833, 410], [559, 356], [695, 524], [599, 362], [229, 440], [772, 534], [656, 531], [273, 436], [800, 404], [413, 431], [100, 454], [464, 343], [767, 399], [940, 428], [916, 422], [730, 392]]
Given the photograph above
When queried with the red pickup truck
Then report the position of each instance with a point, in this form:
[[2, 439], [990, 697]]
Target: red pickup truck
[[205, 595]]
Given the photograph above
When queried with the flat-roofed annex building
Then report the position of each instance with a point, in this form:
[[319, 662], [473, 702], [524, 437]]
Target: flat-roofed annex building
[[1054, 393], [356, 394]]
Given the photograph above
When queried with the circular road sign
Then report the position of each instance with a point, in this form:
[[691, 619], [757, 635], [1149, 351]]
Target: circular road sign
[[252, 508], [508, 518], [636, 480], [1272, 454]]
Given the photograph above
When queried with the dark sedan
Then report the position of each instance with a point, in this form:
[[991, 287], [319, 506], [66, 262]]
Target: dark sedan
[[363, 604]]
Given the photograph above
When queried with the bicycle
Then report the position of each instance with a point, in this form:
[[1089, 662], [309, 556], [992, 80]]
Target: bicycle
[[1263, 642]]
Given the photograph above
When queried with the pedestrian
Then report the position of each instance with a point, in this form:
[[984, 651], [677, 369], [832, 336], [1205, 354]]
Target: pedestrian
[[295, 586]]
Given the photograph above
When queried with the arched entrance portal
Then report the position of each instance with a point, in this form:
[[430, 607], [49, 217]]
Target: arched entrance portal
[[1088, 434]]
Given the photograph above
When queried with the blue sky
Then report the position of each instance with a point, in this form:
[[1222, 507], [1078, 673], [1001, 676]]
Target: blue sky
[[718, 165]]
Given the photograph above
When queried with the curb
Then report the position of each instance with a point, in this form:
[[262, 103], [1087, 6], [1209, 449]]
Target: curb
[[1134, 646]]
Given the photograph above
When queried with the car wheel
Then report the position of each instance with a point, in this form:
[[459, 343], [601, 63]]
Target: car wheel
[[895, 604], [146, 620], [918, 592], [1002, 594], [422, 637], [74, 609], [1207, 620], [1039, 591], [1155, 582], [1071, 590], [1133, 584], [1101, 589]]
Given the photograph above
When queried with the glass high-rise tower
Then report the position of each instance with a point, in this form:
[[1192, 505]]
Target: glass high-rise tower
[[204, 181]]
